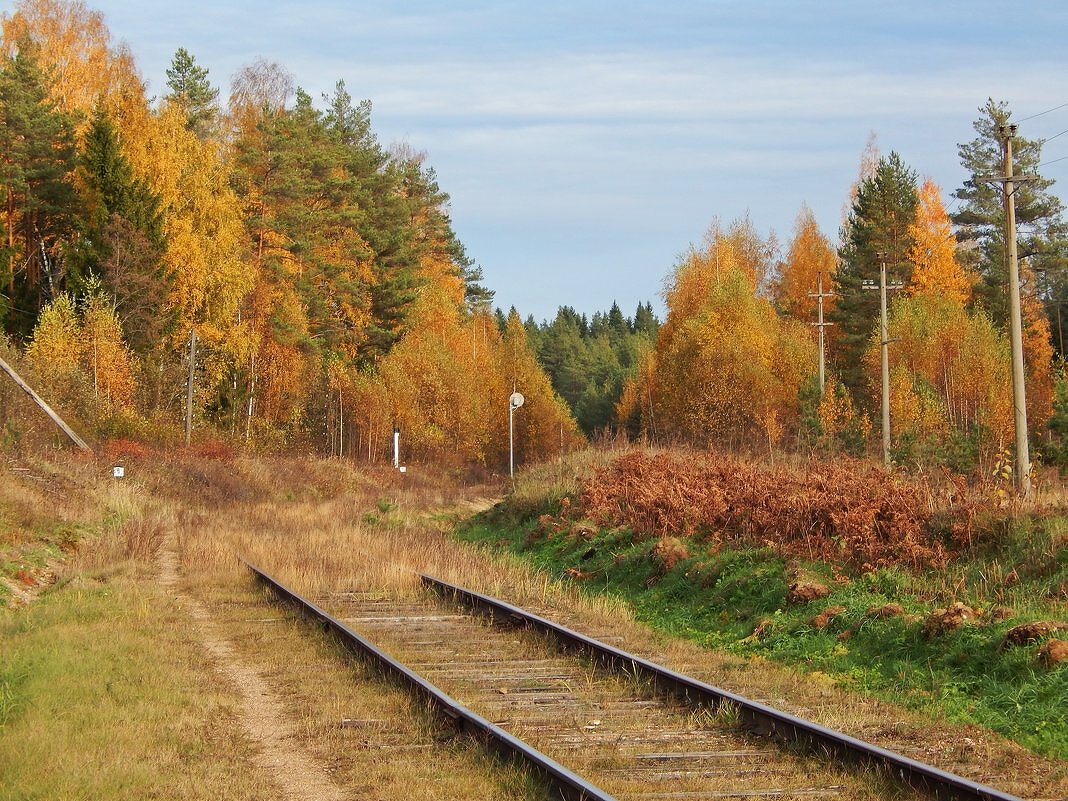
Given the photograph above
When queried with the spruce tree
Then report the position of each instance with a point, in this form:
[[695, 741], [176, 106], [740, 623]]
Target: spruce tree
[[645, 321], [37, 155], [123, 237], [877, 224]]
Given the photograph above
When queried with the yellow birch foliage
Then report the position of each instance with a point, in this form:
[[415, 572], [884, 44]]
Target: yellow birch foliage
[[86, 66], [810, 254], [105, 358], [838, 415], [203, 223], [72, 352], [949, 370], [933, 252], [446, 385], [55, 352], [544, 426], [727, 369]]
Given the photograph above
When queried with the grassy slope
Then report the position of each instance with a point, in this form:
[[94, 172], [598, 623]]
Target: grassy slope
[[104, 692], [720, 598]]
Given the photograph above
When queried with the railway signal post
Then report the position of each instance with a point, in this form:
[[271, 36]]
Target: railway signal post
[[515, 400]]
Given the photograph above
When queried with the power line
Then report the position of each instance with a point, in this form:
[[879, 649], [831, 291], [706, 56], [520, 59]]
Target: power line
[[1047, 111], [1062, 133], [1052, 161]]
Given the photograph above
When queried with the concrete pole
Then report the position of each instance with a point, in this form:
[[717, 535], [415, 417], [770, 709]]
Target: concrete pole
[[885, 341], [819, 294], [396, 448], [511, 441], [1019, 398]]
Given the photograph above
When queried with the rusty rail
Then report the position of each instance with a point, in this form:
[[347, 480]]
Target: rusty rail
[[566, 784]]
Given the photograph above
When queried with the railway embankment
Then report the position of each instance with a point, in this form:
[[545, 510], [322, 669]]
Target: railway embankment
[[910, 589]]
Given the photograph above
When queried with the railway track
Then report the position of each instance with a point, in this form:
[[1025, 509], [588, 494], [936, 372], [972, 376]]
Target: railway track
[[611, 724]]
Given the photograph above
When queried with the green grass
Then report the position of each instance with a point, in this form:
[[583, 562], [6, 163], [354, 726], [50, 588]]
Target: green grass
[[718, 598], [101, 698]]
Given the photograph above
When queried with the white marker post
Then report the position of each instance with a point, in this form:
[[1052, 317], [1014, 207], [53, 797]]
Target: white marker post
[[514, 402], [396, 449]]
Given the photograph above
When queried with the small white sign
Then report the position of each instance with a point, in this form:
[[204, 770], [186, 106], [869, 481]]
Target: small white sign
[[118, 471], [403, 469], [516, 400]]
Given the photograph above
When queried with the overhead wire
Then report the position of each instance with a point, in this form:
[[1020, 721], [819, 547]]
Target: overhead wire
[[1047, 111]]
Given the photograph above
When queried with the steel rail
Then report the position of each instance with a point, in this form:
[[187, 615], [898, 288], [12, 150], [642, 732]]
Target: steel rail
[[756, 716], [568, 785]]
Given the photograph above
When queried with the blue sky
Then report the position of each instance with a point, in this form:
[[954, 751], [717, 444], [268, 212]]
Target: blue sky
[[586, 144]]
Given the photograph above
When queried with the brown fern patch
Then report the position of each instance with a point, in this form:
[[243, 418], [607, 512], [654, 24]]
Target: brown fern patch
[[849, 512]]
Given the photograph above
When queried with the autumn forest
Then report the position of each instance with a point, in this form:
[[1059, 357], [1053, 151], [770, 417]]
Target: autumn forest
[[311, 278]]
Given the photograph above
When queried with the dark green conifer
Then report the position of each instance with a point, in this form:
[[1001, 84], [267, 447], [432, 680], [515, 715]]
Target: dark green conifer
[[191, 89], [877, 229], [1042, 236], [37, 155]]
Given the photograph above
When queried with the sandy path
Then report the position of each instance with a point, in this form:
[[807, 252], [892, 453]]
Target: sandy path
[[298, 775]]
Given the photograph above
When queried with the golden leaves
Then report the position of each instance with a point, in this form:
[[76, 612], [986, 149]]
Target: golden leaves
[[933, 252]]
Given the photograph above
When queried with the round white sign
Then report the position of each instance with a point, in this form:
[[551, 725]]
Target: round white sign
[[516, 400]]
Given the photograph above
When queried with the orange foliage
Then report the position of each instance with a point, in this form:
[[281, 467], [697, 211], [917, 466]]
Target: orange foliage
[[726, 367], [446, 386], [1038, 352], [949, 369], [107, 360], [934, 247], [810, 254]]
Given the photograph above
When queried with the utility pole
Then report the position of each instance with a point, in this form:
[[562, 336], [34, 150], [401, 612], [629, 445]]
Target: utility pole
[[819, 294], [189, 386], [1019, 394], [884, 340], [55, 418]]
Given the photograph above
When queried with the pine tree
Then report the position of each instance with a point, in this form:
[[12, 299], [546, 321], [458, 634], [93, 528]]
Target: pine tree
[[878, 223], [1042, 236], [191, 90]]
